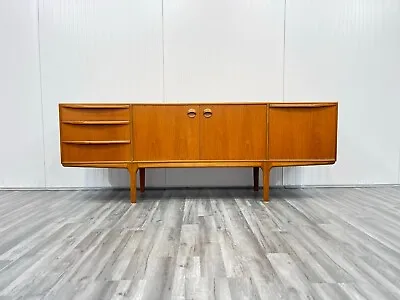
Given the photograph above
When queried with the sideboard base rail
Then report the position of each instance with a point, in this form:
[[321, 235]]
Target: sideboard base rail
[[140, 168], [265, 166]]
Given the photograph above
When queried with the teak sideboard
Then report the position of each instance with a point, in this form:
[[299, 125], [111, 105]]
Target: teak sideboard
[[159, 135]]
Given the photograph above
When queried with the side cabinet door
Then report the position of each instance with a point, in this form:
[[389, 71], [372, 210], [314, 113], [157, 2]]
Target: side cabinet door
[[233, 132], [165, 132], [302, 131]]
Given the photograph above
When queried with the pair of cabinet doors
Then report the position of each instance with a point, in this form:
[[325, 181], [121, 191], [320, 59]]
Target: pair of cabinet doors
[[199, 132]]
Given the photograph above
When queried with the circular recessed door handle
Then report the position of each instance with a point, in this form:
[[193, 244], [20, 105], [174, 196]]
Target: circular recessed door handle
[[207, 113], [191, 113]]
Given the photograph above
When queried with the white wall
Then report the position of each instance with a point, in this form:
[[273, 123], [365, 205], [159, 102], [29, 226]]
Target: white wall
[[187, 50], [21, 136]]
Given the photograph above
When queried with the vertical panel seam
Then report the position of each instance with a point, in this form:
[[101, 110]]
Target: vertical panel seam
[[41, 92], [163, 69], [284, 73], [163, 50], [284, 53]]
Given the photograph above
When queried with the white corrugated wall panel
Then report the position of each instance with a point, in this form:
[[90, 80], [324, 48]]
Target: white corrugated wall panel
[[21, 134]]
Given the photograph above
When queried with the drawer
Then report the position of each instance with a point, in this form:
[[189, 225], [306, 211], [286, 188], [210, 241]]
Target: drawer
[[74, 152], [95, 132], [94, 112]]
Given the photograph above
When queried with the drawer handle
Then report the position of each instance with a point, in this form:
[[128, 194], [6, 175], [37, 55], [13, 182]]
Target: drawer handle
[[207, 113], [191, 113]]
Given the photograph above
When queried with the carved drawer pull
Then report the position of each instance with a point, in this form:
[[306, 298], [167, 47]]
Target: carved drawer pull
[[207, 113], [191, 113]]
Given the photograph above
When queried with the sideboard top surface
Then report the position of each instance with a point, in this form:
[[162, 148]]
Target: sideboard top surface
[[127, 104]]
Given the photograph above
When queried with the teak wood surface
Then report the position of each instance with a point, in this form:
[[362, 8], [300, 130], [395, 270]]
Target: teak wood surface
[[166, 133], [233, 132], [153, 135]]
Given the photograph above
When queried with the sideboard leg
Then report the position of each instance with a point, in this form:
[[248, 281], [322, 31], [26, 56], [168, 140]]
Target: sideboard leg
[[142, 173], [266, 170], [133, 170], [256, 175]]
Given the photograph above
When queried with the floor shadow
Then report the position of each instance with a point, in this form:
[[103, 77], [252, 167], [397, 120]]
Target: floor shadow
[[199, 193]]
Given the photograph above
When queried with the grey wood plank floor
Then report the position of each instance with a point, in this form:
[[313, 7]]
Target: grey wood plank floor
[[331, 243]]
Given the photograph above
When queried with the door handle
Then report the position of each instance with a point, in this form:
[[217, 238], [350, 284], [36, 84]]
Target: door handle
[[191, 113], [207, 113]]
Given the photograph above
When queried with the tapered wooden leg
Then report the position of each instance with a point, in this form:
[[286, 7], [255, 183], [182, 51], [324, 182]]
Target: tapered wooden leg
[[266, 170], [132, 171], [256, 180], [142, 173]]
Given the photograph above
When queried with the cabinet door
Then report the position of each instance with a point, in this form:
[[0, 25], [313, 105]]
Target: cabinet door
[[302, 131], [165, 132], [233, 132]]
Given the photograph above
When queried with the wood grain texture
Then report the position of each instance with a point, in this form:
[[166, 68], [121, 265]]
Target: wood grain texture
[[199, 164], [96, 152], [199, 135], [132, 169], [302, 104], [302, 132], [106, 106], [233, 132], [102, 142], [95, 132], [333, 243], [96, 122], [165, 133], [99, 164], [94, 112]]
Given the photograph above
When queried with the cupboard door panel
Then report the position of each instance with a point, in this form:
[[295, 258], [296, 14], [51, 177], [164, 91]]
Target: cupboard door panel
[[166, 132], [302, 132], [233, 132]]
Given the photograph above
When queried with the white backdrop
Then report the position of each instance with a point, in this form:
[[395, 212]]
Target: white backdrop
[[185, 50], [21, 131]]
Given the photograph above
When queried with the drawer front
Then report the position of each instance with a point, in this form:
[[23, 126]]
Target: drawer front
[[95, 152], [94, 113], [99, 132]]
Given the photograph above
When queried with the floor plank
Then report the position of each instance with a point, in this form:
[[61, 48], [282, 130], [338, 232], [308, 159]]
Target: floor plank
[[323, 243]]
